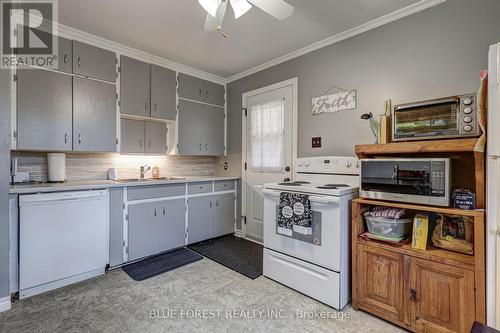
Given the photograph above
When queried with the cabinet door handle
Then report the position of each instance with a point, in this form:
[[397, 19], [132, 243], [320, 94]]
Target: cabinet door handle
[[65, 138], [163, 210], [200, 92], [200, 146], [155, 212], [65, 58], [210, 203], [206, 146], [216, 203], [146, 106], [79, 62], [155, 106], [140, 143], [79, 139], [149, 143], [413, 295]]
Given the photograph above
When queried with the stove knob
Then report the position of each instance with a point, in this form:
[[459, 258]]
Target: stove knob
[[348, 164], [308, 164], [467, 119], [467, 128], [467, 110], [467, 101]]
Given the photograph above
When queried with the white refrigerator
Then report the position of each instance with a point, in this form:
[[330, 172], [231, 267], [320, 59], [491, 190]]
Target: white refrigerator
[[493, 190]]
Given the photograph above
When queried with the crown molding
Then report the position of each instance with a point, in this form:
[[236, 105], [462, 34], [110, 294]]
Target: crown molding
[[72, 33], [391, 17]]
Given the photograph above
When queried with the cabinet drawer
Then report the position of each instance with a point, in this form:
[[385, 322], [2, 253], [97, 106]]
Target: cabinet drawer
[[155, 191], [224, 185], [201, 187]]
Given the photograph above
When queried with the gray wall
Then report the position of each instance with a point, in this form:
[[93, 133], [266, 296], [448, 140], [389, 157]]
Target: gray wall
[[434, 53], [4, 180]]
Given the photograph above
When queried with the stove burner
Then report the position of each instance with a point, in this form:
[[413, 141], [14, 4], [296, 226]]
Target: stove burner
[[336, 185], [301, 182], [327, 187]]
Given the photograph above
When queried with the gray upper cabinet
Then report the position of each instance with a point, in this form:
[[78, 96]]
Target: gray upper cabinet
[[65, 55], [133, 133], [44, 110], [156, 137], [200, 219], [213, 93], [94, 62], [143, 230], [224, 214], [191, 128], [172, 228], [94, 116], [214, 133], [190, 87], [134, 86], [163, 86]]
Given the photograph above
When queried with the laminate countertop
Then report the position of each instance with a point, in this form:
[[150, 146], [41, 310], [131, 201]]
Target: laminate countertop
[[102, 184]]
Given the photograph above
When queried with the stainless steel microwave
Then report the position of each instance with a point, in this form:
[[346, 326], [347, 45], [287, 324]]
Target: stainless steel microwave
[[413, 180], [443, 118]]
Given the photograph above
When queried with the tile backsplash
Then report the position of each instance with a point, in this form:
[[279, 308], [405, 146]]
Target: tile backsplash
[[84, 166]]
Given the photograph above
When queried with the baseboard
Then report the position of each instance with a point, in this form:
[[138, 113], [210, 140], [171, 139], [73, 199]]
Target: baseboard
[[4, 304]]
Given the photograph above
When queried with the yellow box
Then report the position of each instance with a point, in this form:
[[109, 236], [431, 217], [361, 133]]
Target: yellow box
[[420, 231]]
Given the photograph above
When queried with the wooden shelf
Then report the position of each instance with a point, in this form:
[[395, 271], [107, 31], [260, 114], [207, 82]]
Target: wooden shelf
[[417, 147], [432, 253], [433, 209]]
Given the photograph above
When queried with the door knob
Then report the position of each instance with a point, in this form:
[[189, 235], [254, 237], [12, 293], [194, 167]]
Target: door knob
[[413, 295], [286, 179], [287, 169]]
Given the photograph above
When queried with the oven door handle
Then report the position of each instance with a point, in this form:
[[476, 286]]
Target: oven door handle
[[312, 198]]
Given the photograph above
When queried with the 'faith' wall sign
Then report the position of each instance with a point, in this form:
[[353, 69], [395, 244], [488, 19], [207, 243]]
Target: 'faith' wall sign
[[344, 100]]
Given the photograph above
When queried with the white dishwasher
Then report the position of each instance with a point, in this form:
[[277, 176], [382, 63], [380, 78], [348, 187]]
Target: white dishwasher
[[63, 239]]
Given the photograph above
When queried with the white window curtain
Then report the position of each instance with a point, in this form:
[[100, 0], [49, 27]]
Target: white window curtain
[[266, 134]]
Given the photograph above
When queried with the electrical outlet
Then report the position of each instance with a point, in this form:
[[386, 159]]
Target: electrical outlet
[[316, 142]]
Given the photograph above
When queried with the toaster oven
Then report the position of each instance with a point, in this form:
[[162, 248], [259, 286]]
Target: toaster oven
[[413, 180], [442, 118]]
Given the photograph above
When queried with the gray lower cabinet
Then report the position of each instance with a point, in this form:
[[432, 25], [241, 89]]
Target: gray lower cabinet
[[213, 93], [115, 226], [142, 230], [200, 219], [172, 225], [133, 133], [94, 116], [155, 227], [94, 62], [224, 214], [135, 87], [44, 110], [163, 97], [156, 138], [200, 129], [190, 87], [210, 216]]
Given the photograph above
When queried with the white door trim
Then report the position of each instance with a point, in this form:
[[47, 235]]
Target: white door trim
[[294, 82]]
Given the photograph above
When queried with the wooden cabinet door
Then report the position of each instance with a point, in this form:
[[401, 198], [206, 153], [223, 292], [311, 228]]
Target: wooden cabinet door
[[143, 230], [224, 214], [163, 89], [441, 297], [214, 132], [94, 116], [172, 224], [213, 93], [191, 128], [156, 137], [133, 134], [200, 219], [135, 87], [190, 87], [94, 62], [381, 282]]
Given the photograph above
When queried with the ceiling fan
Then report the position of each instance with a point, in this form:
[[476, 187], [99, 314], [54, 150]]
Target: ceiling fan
[[216, 10]]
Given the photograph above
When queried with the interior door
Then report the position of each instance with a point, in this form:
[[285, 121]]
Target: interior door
[[267, 138]]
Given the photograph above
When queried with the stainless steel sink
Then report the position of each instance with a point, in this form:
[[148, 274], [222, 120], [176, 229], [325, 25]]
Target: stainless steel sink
[[131, 180]]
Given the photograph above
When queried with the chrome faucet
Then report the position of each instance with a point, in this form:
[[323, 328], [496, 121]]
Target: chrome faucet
[[144, 169]]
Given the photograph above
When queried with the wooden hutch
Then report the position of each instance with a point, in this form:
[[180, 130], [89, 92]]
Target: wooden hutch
[[435, 290]]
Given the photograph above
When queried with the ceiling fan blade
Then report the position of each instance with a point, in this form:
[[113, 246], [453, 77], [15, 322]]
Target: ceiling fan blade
[[240, 7], [210, 6], [277, 8], [215, 23]]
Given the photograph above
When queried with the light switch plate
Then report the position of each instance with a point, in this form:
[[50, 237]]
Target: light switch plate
[[316, 142]]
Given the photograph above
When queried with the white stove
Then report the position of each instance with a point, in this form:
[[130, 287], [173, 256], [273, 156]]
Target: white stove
[[317, 265]]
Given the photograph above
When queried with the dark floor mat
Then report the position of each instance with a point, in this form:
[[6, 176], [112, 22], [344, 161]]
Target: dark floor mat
[[161, 263], [239, 254]]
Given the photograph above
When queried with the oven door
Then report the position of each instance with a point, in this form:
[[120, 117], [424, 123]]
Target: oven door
[[323, 248]]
